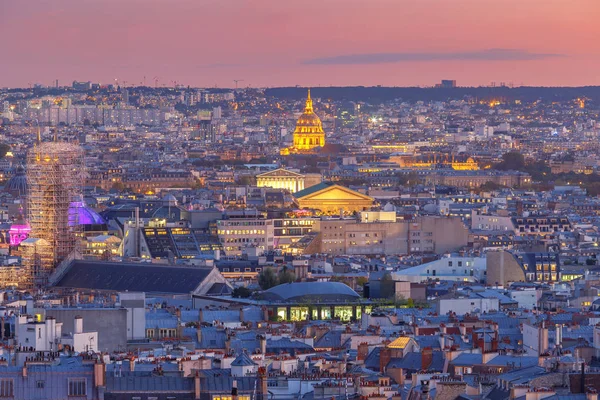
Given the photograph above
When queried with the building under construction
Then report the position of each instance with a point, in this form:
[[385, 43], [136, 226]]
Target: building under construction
[[55, 173]]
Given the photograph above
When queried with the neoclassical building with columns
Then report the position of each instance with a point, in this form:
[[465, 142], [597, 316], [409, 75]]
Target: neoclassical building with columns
[[281, 179]]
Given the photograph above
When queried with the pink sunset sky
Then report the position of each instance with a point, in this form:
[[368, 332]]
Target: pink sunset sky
[[309, 43]]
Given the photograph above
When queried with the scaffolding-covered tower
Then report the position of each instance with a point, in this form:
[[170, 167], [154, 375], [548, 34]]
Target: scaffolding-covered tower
[[55, 172]]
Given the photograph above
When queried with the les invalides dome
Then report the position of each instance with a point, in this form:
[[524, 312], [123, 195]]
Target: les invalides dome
[[309, 132]]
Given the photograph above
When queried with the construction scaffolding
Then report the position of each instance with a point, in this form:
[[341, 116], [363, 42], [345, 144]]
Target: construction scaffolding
[[55, 173]]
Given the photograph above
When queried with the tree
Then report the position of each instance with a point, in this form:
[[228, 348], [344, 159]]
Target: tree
[[513, 160], [4, 148], [247, 180], [241, 292], [410, 303], [286, 276], [267, 279], [539, 171], [490, 186]]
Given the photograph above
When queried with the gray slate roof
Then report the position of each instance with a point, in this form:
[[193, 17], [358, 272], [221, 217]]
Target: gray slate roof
[[132, 277]]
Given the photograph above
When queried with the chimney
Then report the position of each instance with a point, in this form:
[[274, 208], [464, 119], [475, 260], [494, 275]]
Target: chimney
[[385, 355], [24, 370], [241, 314], [363, 351], [199, 334], [262, 379], [78, 324], [197, 386], [426, 358], [200, 316], [99, 374], [132, 364], [591, 394], [542, 338], [263, 344], [265, 311]]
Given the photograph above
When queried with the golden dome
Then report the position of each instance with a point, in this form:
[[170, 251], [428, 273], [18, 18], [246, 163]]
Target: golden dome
[[309, 133], [309, 122]]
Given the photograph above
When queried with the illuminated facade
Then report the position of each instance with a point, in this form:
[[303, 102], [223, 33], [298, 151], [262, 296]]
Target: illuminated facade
[[468, 165], [333, 199], [309, 133], [240, 235], [416, 162], [281, 179]]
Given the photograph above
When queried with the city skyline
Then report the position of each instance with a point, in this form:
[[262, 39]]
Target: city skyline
[[309, 43]]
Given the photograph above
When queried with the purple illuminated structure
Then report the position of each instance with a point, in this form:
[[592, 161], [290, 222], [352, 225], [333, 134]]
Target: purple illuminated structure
[[82, 215], [19, 231]]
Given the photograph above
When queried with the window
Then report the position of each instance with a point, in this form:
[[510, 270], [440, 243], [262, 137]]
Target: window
[[40, 384], [77, 387], [449, 263], [6, 388]]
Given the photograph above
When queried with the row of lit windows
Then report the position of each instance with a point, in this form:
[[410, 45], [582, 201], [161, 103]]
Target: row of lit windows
[[241, 223], [230, 397], [245, 240], [242, 232], [542, 277]]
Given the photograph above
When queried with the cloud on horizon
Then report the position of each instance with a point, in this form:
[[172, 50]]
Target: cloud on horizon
[[478, 55]]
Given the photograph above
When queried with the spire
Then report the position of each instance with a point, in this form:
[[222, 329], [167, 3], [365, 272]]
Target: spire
[[309, 106]]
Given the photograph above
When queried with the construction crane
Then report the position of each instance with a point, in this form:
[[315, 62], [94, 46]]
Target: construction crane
[[236, 82]]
